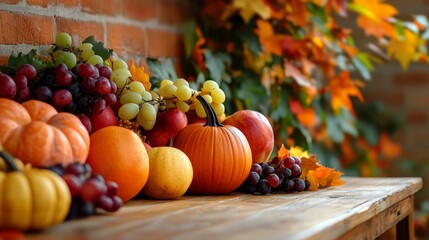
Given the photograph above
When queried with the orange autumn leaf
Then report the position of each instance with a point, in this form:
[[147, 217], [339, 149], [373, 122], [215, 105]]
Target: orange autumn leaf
[[271, 42], [138, 74], [308, 164], [389, 148], [198, 50], [282, 152], [298, 152], [297, 75], [324, 177], [297, 12], [342, 88], [373, 17], [307, 117]]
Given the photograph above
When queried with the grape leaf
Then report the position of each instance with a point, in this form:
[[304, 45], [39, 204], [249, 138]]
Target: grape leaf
[[161, 70], [16, 61], [99, 48]]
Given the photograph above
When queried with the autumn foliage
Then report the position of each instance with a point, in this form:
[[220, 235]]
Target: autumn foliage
[[295, 62]]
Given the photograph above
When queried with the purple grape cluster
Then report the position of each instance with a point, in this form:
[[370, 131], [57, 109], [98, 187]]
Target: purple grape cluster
[[85, 89], [17, 88], [89, 191], [279, 174]]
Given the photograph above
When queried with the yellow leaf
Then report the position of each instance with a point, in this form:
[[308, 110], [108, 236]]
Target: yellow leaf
[[298, 152], [404, 49]]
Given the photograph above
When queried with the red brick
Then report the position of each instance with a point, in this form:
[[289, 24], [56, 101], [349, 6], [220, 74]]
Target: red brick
[[173, 12], [106, 7], [4, 60], [393, 98], [417, 118], [79, 30], [45, 3], [125, 39], [11, 1], [164, 44], [418, 100], [412, 78], [143, 10], [18, 28]]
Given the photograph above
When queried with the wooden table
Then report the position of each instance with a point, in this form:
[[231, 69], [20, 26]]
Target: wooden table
[[363, 208]]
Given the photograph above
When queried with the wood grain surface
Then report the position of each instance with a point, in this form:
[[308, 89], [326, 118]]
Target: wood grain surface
[[358, 208]]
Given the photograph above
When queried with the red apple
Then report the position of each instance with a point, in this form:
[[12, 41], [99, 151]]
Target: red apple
[[258, 131], [104, 119], [167, 126], [193, 118]]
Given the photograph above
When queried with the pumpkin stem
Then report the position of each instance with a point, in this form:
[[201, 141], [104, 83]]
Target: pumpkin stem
[[212, 119], [10, 163]]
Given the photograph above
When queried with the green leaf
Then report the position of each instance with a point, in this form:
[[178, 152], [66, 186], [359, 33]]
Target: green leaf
[[99, 48], [161, 70], [333, 129], [216, 64], [363, 64], [16, 61], [369, 132], [190, 37]]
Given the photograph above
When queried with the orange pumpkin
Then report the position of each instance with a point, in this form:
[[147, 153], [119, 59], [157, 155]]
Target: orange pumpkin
[[220, 155], [36, 133]]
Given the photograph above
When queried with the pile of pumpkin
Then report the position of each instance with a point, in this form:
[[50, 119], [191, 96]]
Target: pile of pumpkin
[[209, 158]]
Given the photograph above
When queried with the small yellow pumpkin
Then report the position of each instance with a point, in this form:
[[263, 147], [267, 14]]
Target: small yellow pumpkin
[[31, 198]]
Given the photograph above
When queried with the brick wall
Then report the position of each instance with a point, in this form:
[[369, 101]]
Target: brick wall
[[406, 93], [134, 29]]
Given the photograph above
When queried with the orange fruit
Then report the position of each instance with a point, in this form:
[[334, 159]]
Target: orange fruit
[[170, 173], [119, 155]]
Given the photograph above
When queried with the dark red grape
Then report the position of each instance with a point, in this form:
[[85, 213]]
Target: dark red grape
[[58, 169], [279, 171], [92, 189], [275, 160], [296, 170], [287, 185], [8, 86], [20, 82], [113, 87], [256, 168], [60, 68], [86, 70], [61, 98], [23, 94], [88, 85], [288, 162], [253, 178], [112, 188], [263, 165], [103, 85], [105, 203], [105, 71], [297, 160], [76, 169], [247, 188], [74, 183], [28, 71], [85, 121], [98, 177], [267, 171], [307, 185], [117, 203], [46, 81], [43, 94], [299, 184], [110, 99], [63, 79], [74, 89], [263, 187], [98, 106], [273, 180], [86, 209], [287, 173]]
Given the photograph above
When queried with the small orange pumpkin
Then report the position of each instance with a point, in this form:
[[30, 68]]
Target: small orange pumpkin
[[220, 155], [36, 133]]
